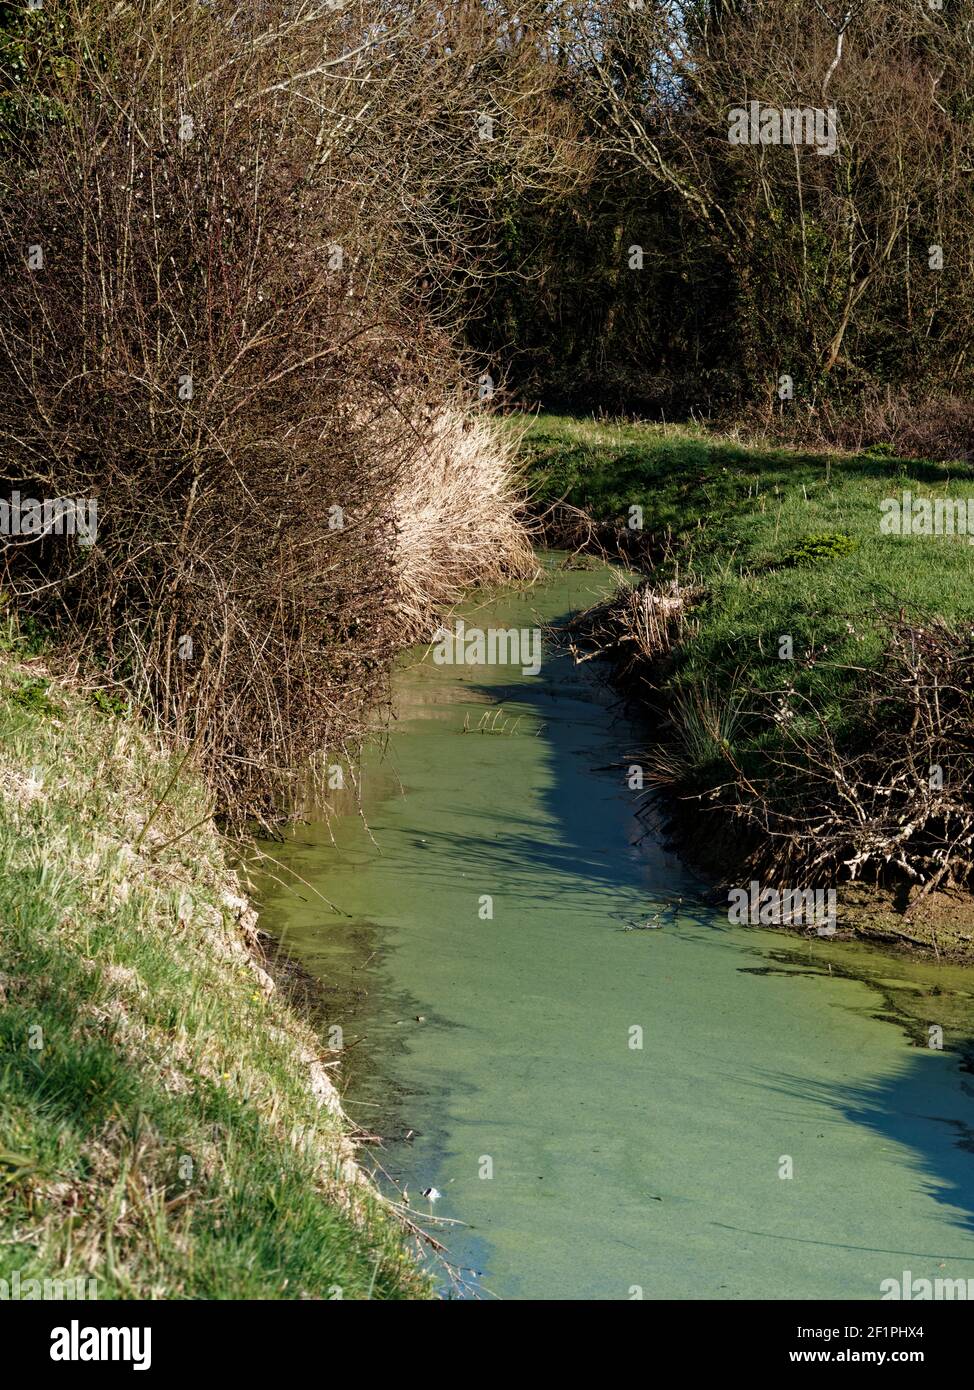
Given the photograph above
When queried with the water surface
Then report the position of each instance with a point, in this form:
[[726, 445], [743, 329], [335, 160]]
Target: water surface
[[497, 1056]]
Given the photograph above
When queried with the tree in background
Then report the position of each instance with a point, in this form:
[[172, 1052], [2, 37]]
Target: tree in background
[[849, 273]]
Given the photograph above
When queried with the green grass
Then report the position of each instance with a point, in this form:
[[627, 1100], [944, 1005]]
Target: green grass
[[159, 1131], [783, 543]]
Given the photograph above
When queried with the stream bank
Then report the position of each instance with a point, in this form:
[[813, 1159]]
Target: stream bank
[[167, 1127], [805, 679]]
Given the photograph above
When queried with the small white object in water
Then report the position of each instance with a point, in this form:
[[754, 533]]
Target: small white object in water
[[432, 1194]]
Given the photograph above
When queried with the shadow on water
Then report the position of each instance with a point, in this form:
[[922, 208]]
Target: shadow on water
[[586, 800], [926, 1108]]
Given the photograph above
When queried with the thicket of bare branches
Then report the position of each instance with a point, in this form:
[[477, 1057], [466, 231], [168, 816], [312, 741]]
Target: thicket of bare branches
[[889, 799], [225, 238], [897, 802]]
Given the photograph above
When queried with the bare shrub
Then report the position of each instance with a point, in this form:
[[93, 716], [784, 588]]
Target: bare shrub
[[638, 627], [894, 802], [912, 424], [940, 427], [219, 341], [890, 799]]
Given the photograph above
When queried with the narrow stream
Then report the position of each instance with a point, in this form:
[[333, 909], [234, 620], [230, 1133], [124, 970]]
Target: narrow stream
[[613, 1113]]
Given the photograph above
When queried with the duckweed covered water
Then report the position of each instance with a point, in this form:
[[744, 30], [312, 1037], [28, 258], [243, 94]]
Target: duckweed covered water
[[610, 1111]]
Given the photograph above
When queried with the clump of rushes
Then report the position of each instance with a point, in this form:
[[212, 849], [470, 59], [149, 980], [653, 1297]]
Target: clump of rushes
[[166, 1125]]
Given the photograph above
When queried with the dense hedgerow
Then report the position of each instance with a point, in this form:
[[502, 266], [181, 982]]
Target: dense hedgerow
[[210, 326]]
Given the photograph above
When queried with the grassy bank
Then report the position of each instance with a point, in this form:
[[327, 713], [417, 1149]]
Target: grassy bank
[[166, 1126], [789, 647]]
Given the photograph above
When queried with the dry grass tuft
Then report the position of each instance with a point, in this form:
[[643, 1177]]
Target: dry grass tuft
[[458, 521], [638, 627]]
